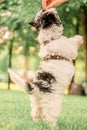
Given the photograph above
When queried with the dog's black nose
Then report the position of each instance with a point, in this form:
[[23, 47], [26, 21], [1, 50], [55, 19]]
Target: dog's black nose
[[32, 23], [43, 10]]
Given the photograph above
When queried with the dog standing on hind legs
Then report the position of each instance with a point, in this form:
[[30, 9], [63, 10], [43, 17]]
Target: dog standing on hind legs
[[56, 69]]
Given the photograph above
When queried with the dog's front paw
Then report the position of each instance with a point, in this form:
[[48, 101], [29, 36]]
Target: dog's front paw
[[79, 38]]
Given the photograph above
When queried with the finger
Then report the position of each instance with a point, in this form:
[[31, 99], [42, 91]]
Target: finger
[[44, 4], [55, 3], [49, 2]]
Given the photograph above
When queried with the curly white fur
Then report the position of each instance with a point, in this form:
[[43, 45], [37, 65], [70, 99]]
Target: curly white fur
[[47, 106]]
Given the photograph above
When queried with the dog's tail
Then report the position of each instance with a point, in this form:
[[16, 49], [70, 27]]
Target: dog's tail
[[20, 82]]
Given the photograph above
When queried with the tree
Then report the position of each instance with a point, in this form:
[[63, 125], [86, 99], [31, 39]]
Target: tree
[[81, 6], [78, 12], [13, 15], [84, 9], [16, 14]]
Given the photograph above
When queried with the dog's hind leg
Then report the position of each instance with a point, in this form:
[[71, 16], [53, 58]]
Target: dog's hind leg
[[35, 107]]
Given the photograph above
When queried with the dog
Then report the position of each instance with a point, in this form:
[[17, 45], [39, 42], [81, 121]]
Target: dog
[[56, 69]]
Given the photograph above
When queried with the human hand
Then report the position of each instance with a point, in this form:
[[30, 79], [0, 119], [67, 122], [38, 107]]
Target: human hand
[[47, 4]]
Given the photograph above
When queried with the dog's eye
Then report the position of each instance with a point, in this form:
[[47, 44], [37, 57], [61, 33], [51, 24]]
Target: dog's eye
[[37, 24], [38, 20]]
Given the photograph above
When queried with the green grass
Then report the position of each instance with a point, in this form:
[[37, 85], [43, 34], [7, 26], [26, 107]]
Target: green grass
[[15, 113], [12, 86]]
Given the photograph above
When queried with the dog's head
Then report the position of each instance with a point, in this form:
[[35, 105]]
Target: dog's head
[[45, 19]]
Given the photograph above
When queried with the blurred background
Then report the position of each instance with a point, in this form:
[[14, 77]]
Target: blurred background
[[19, 47]]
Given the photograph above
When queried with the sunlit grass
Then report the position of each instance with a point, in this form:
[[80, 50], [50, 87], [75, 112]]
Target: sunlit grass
[[12, 86], [15, 113]]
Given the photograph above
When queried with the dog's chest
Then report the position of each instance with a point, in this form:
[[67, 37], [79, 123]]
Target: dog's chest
[[43, 51], [61, 47]]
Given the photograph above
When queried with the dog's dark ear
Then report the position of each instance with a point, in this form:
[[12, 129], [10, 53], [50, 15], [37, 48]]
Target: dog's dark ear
[[48, 19]]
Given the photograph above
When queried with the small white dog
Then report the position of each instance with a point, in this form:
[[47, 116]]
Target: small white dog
[[56, 69]]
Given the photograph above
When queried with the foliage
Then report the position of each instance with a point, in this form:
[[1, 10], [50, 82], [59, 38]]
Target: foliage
[[77, 4], [71, 15], [15, 14]]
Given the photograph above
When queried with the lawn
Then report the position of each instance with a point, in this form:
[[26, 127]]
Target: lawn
[[15, 113]]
